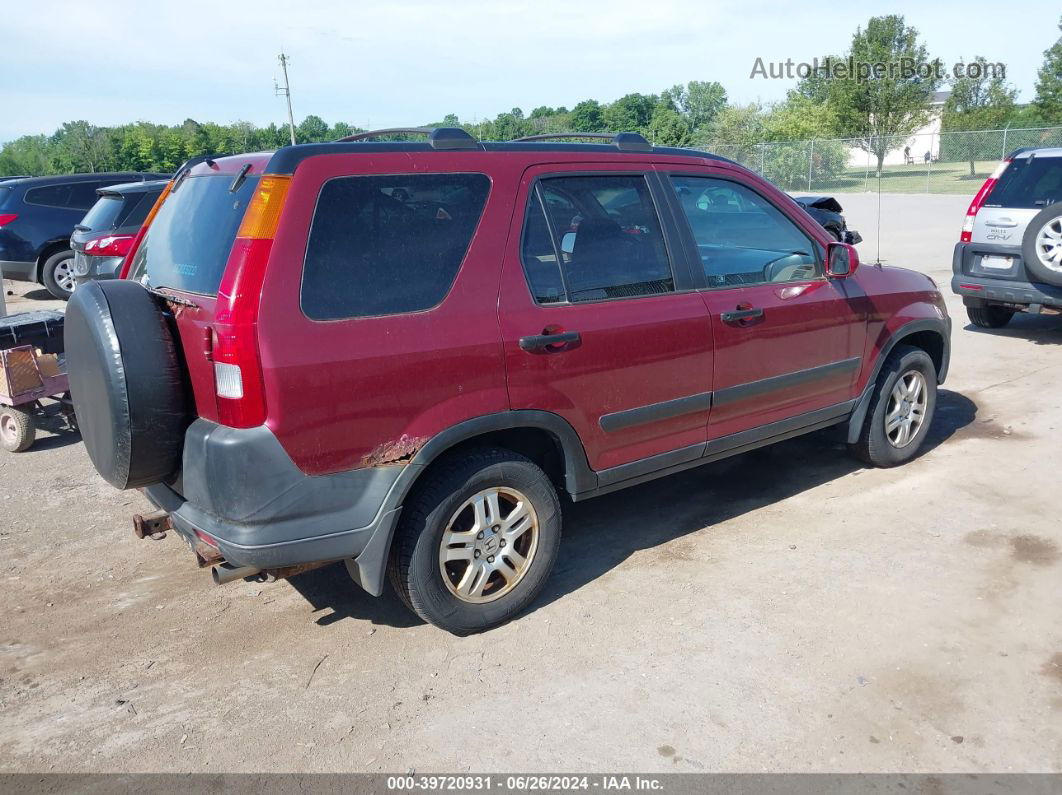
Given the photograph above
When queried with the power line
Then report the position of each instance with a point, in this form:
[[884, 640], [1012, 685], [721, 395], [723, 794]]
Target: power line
[[285, 91]]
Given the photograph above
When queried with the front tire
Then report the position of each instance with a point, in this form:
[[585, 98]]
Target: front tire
[[58, 275], [989, 316], [477, 540], [901, 409]]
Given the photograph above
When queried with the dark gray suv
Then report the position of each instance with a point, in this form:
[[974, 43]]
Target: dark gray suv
[[1009, 258]]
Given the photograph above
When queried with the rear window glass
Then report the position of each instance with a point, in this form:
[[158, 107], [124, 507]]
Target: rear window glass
[[103, 215], [383, 245], [187, 245], [1028, 184], [137, 206]]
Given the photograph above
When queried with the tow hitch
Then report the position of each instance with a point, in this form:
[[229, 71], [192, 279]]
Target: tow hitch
[[153, 525]]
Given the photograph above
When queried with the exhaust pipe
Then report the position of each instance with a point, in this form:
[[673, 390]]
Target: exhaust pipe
[[225, 572]]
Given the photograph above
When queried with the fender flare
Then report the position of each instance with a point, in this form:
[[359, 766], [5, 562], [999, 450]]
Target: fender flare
[[369, 569], [938, 325]]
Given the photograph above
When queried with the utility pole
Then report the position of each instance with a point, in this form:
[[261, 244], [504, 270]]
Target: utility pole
[[285, 91]]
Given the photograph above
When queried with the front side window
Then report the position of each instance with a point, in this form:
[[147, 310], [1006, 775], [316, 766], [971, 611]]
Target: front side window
[[384, 245], [592, 238], [741, 237]]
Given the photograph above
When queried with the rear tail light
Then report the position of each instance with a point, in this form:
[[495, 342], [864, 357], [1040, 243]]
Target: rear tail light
[[238, 381], [110, 246], [123, 272], [978, 202], [6, 218]]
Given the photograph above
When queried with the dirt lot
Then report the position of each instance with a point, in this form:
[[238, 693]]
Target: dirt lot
[[787, 610]]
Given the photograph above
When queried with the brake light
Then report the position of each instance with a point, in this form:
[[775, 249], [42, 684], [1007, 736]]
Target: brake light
[[238, 382], [978, 202], [110, 246], [123, 272], [6, 218]]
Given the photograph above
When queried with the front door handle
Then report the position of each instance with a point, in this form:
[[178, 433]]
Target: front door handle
[[739, 315], [548, 342]]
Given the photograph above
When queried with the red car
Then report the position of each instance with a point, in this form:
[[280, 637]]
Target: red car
[[398, 354]]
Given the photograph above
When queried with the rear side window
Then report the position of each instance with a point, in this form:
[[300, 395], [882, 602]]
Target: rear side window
[[384, 245], [49, 196], [592, 238], [187, 245], [103, 215], [1028, 183]]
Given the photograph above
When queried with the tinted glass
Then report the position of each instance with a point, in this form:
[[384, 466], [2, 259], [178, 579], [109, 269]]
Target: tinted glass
[[49, 196], [83, 194], [741, 237], [1028, 184], [187, 245], [598, 238], [104, 214], [382, 245], [136, 208]]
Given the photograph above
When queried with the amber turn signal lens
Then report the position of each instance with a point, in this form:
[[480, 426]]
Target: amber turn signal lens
[[263, 214]]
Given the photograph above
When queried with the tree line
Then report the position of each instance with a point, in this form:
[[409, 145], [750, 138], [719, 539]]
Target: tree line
[[874, 114]]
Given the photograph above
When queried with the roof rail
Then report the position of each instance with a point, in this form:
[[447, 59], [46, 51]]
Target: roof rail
[[438, 137], [624, 141]]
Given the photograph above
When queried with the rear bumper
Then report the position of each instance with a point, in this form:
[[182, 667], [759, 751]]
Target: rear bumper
[[979, 285], [240, 488], [19, 271], [88, 268]]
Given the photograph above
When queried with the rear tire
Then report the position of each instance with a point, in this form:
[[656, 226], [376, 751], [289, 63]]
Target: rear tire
[[58, 274], [894, 407], [456, 558], [18, 429], [989, 316]]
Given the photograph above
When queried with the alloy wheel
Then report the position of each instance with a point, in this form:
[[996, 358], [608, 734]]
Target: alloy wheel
[[488, 545], [906, 411], [64, 275]]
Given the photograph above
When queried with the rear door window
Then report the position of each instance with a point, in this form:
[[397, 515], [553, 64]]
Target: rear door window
[[1028, 183], [594, 238], [384, 245], [187, 245]]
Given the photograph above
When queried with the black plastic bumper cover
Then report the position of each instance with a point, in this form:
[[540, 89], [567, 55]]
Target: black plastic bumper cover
[[242, 489]]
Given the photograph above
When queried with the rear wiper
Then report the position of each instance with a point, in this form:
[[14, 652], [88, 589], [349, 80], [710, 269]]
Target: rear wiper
[[82, 228], [240, 178]]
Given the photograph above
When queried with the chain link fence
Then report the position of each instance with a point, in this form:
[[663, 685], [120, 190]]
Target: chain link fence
[[935, 162]]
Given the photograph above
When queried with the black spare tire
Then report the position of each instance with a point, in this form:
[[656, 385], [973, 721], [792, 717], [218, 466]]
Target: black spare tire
[[1040, 246], [127, 382]]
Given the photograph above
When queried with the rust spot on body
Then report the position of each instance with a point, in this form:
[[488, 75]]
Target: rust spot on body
[[396, 452]]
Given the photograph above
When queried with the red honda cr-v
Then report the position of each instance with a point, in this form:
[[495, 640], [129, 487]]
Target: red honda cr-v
[[397, 354]]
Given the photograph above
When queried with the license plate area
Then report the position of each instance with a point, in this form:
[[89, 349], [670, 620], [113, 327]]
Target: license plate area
[[994, 263]]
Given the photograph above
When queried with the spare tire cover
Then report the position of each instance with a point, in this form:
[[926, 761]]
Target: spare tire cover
[[1029, 248], [127, 382]]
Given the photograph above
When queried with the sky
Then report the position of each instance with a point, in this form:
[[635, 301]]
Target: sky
[[408, 62]]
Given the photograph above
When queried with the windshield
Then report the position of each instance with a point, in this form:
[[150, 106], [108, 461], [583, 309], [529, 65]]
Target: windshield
[[103, 215], [187, 245]]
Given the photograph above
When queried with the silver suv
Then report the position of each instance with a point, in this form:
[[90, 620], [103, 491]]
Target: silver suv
[[1009, 258]]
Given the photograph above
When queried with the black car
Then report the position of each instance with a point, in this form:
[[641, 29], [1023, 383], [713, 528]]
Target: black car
[[37, 216], [104, 236], [826, 210]]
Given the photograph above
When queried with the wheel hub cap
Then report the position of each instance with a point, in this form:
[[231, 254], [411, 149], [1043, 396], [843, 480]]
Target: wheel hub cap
[[488, 545]]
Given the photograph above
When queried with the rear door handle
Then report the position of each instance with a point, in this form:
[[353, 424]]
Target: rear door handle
[[740, 314], [539, 342]]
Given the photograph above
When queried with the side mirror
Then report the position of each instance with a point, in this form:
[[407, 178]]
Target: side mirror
[[841, 260]]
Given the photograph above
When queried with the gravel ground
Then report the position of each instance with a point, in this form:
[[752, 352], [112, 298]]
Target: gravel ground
[[787, 610]]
